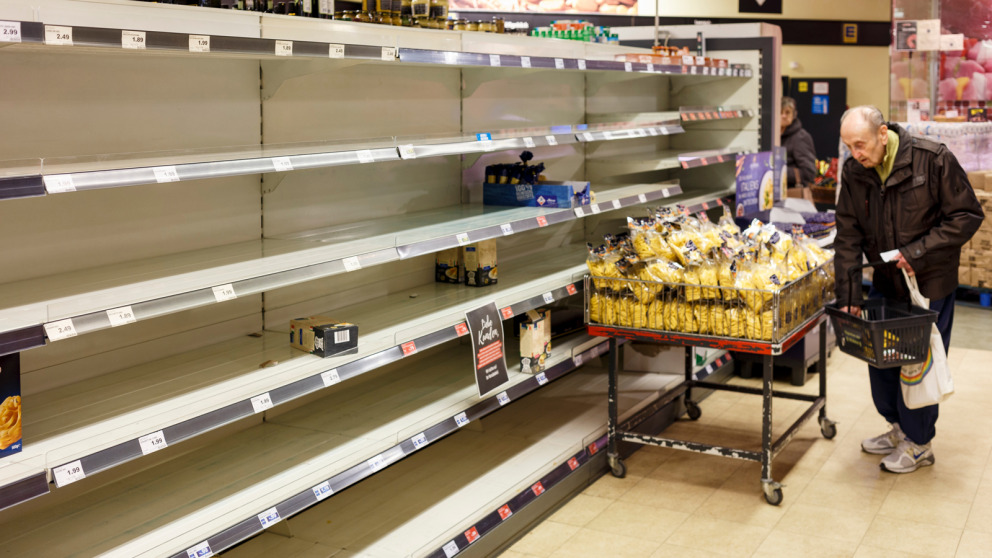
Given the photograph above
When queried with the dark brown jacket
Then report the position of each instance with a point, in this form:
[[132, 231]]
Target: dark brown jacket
[[926, 208], [801, 155]]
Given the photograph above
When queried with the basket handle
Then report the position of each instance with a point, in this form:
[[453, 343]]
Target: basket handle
[[855, 268]]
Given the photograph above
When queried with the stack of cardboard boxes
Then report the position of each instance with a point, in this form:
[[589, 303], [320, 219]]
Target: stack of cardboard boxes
[[976, 255]]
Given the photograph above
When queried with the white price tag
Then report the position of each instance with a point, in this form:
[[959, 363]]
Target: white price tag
[[653, 131], [577, 360], [284, 48], [506, 228], [486, 140], [133, 39], [628, 67], [525, 61], [335, 51], [559, 64], [641, 133], [700, 60], [120, 316], [494, 60], [282, 164], [199, 43], [579, 213], [548, 297], [643, 198], [68, 473], [419, 441], [450, 549], [407, 151], [706, 71], [462, 239], [389, 54], [62, 329], [165, 174], [365, 156], [224, 292], [529, 142], [503, 398], [664, 192], [152, 442], [269, 517], [551, 140], [616, 204], [588, 136], [582, 64], [688, 60], [58, 35], [651, 67], [693, 70], [542, 379], [322, 491], [10, 31], [608, 134], [330, 378], [352, 264], [201, 550], [461, 419], [377, 463], [664, 131], [261, 402], [58, 183], [595, 208]]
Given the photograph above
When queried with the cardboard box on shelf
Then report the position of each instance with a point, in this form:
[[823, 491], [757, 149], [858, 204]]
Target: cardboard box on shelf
[[322, 336], [480, 263], [535, 340], [543, 194], [10, 404], [448, 266]]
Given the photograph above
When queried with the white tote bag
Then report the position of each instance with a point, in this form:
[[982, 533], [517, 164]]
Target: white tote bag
[[929, 382]]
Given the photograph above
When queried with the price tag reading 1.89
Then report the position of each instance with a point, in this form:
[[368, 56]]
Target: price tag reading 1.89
[[284, 48], [120, 316], [133, 39]]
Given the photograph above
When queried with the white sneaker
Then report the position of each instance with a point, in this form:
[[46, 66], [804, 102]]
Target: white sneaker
[[884, 444], [907, 457]]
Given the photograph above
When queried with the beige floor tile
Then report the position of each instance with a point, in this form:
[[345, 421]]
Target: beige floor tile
[[726, 538], [641, 522], [946, 511], [514, 554], [974, 545], [696, 468], [580, 510], [848, 526], [645, 460], [544, 539], [865, 551], [610, 487], [675, 551], [743, 505], [781, 543], [980, 516], [671, 495], [909, 536], [598, 544], [939, 481], [844, 496], [848, 464]]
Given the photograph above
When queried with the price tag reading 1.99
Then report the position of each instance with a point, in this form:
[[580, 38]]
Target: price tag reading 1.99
[[133, 39], [152, 442]]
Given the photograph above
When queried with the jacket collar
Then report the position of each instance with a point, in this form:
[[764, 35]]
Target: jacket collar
[[792, 128], [902, 168]]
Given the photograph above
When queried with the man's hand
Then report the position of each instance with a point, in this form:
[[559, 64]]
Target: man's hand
[[855, 310], [901, 263]]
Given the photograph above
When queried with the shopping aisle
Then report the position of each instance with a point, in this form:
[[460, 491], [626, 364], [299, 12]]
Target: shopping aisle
[[837, 501]]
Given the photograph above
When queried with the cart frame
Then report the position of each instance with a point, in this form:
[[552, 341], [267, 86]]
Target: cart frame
[[769, 448]]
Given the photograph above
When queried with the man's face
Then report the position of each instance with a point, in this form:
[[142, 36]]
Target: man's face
[[867, 146], [788, 115]]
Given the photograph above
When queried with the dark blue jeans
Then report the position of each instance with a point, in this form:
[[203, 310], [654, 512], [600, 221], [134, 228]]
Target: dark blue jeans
[[918, 424]]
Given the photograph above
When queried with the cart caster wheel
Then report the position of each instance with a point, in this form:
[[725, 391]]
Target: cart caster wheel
[[773, 496], [828, 428], [692, 409], [619, 469]]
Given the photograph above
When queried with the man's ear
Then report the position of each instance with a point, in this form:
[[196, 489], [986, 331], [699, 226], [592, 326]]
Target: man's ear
[[883, 132]]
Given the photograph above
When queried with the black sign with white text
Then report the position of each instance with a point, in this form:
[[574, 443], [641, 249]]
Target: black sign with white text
[[488, 353], [760, 6]]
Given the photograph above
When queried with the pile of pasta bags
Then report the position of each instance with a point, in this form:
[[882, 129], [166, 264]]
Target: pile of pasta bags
[[681, 273]]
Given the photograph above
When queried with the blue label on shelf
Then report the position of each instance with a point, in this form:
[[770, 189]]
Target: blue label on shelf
[[484, 137]]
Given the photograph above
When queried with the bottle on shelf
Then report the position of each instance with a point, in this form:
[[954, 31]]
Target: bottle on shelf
[[286, 7], [308, 8], [406, 12], [325, 9], [421, 11], [439, 12]]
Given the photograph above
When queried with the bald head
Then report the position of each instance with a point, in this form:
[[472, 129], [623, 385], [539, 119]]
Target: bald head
[[863, 131]]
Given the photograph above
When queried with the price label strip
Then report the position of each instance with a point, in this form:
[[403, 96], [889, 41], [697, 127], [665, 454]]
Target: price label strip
[[152, 442], [389, 54], [472, 535], [616, 204], [559, 64], [284, 48], [351, 263], [133, 40], [377, 463], [199, 43], [462, 239], [628, 67], [201, 550], [461, 419], [529, 142], [269, 517], [120, 316], [408, 152], [450, 549], [335, 51], [570, 289], [507, 229], [61, 329], [224, 292], [68, 473], [582, 64], [503, 398], [322, 491], [419, 441], [505, 512], [165, 174], [525, 61], [408, 348], [494, 60], [58, 35], [551, 140], [330, 378], [261, 403], [365, 156], [548, 297], [59, 183], [282, 164], [10, 31], [541, 379], [486, 140]]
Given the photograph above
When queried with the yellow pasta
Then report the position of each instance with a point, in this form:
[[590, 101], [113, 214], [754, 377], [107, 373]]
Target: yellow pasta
[[10, 421]]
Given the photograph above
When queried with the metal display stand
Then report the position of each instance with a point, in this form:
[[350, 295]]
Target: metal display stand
[[769, 448]]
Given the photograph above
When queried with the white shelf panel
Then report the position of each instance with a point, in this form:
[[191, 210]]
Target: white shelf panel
[[169, 284], [661, 160], [634, 117], [239, 477], [436, 496]]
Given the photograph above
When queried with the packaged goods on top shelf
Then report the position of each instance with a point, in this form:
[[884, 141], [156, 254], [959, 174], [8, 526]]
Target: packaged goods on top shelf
[[672, 56], [576, 30], [675, 272], [522, 184]]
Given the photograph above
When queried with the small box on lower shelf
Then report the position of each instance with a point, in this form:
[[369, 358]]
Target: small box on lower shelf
[[322, 336], [543, 194], [10, 404], [535, 341]]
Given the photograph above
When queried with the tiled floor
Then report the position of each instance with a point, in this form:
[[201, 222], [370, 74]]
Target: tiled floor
[[837, 501]]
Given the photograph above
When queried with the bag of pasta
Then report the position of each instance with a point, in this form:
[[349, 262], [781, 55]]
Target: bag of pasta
[[727, 274], [694, 264], [727, 223], [641, 231]]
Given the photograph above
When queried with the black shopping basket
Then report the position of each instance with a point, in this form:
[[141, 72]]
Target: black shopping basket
[[887, 334]]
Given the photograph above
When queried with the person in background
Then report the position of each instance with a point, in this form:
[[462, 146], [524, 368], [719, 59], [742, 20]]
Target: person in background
[[906, 193], [801, 155]]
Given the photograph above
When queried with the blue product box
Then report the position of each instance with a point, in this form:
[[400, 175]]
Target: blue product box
[[10, 404], [544, 194]]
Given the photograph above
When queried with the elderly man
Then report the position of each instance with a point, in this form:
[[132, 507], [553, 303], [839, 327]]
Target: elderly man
[[906, 193], [801, 154]]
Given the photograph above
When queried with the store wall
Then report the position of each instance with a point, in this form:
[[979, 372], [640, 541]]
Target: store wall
[[866, 69], [855, 10]]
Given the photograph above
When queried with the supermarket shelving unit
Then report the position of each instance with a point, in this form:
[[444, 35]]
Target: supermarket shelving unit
[[181, 182]]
